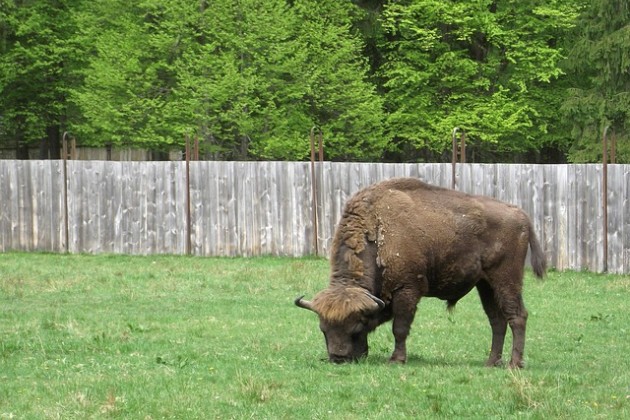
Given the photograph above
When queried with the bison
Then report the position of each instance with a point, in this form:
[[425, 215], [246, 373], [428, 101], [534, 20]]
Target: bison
[[402, 239]]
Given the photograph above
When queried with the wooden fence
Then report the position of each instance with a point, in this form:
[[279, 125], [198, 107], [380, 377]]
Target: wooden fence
[[266, 208]]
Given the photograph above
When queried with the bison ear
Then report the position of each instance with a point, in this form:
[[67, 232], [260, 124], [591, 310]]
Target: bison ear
[[306, 304]]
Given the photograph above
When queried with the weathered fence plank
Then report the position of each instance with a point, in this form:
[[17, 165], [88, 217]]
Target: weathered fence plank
[[250, 208], [625, 177], [617, 210], [126, 207], [265, 208], [593, 219], [31, 206]]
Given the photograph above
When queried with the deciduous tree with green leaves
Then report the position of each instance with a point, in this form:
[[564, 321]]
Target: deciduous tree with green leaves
[[248, 78], [128, 77]]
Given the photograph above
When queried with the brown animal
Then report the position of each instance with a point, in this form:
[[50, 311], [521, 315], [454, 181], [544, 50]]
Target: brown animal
[[402, 239]]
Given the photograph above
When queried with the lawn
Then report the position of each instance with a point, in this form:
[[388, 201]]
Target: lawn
[[179, 337]]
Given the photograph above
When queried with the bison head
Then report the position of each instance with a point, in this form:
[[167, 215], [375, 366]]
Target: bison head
[[346, 316]]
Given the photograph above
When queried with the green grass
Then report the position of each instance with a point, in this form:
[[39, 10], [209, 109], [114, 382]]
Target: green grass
[[178, 337]]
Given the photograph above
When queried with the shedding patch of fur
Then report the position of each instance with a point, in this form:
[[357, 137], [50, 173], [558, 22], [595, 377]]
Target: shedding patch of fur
[[354, 263], [335, 304]]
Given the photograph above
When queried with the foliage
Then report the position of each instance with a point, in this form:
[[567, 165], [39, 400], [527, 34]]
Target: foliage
[[121, 96], [177, 337], [487, 67], [35, 63], [263, 90], [599, 66], [383, 79], [332, 76], [249, 78]]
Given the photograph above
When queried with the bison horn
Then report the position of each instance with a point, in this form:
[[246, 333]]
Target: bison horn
[[378, 301], [306, 304]]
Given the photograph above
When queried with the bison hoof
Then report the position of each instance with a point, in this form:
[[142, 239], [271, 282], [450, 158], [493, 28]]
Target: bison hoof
[[494, 363], [516, 364], [398, 360]]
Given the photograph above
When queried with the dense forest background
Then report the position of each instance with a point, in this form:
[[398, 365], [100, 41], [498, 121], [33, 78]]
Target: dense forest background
[[527, 80]]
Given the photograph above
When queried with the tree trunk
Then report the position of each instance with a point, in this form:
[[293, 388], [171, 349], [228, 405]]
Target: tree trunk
[[21, 150], [43, 148], [54, 141], [50, 146], [21, 146]]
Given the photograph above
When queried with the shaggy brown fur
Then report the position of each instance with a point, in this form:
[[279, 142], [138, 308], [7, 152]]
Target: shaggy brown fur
[[402, 239], [335, 304]]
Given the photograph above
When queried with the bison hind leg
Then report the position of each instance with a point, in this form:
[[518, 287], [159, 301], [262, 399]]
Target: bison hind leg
[[498, 322]]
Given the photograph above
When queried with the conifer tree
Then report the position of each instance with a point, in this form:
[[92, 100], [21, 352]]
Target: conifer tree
[[36, 62], [599, 68], [489, 67]]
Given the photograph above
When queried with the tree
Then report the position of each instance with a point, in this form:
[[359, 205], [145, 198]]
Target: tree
[[599, 68], [248, 78], [236, 76], [127, 78], [382, 79], [336, 93], [36, 60], [265, 73], [486, 66]]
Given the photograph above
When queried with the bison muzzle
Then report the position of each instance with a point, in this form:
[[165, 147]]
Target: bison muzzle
[[400, 240]]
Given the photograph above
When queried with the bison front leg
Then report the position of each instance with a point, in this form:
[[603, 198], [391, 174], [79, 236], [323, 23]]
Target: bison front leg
[[404, 310], [401, 331]]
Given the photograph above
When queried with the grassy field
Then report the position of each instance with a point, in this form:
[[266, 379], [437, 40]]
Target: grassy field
[[178, 337]]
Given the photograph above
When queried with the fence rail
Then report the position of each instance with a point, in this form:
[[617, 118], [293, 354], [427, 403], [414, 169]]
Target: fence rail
[[266, 208]]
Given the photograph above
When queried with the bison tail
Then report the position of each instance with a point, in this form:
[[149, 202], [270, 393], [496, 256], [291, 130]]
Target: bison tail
[[537, 257]]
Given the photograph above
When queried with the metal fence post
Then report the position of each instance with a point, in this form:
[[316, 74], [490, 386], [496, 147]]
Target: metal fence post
[[188, 216], [613, 147], [66, 155], [462, 152], [320, 150]]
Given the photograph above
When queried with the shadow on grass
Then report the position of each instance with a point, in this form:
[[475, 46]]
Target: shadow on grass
[[418, 361]]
